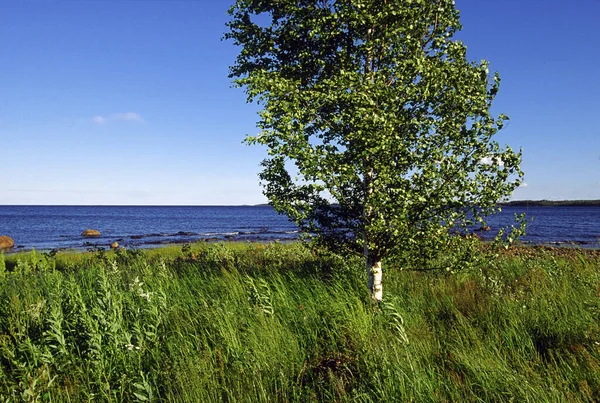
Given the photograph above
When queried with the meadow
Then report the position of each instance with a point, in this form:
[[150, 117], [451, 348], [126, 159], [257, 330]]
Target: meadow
[[281, 323]]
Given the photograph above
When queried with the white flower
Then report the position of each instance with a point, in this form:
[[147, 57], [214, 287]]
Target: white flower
[[136, 284], [146, 295]]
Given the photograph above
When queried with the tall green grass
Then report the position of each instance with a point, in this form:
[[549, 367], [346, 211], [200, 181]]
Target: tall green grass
[[264, 323]]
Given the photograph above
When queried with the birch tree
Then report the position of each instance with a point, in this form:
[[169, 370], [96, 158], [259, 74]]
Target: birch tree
[[378, 128]]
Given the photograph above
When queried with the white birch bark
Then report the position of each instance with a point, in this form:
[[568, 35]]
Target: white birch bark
[[375, 273]]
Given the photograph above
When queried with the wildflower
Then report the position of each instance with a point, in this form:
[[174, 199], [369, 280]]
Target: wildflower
[[136, 284], [145, 295], [114, 266]]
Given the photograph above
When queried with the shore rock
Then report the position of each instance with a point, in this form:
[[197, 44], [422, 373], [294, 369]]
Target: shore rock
[[6, 242], [114, 245], [90, 233]]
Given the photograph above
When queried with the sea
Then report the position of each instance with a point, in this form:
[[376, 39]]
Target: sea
[[60, 227]]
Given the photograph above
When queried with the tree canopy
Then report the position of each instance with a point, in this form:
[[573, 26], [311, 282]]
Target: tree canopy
[[378, 127]]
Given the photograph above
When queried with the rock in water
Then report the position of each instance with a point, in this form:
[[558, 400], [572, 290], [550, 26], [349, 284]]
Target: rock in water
[[6, 242], [88, 233], [114, 245]]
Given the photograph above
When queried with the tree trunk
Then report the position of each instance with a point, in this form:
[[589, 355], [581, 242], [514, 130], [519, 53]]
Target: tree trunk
[[375, 274]]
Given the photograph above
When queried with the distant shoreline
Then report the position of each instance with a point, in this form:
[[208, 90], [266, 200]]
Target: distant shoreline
[[530, 203], [552, 203]]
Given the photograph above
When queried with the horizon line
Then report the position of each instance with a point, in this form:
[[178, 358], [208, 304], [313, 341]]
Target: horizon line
[[256, 204]]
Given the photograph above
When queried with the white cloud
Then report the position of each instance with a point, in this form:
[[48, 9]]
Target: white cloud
[[126, 116], [490, 161], [523, 185]]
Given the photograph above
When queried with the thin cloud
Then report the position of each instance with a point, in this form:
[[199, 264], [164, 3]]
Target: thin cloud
[[523, 185], [122, 116], [128, 116], [78, 191]]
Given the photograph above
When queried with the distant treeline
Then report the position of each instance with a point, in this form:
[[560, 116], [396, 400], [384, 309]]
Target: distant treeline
[[534, 203], [564, 203]]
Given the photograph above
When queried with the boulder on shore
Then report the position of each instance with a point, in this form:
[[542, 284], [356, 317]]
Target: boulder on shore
[[6, 242], [476, 236], [89, 233]]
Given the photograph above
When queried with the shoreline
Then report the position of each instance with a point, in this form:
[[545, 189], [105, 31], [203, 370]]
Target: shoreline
[[97, 246], [550, 203], [156, 240], [89, 246]]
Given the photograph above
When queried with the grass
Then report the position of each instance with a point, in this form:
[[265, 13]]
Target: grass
[[263, 323]]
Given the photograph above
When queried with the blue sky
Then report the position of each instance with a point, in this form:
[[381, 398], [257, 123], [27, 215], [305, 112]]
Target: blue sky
[[128, 102]]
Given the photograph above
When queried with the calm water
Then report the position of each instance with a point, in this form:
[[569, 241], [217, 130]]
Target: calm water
[[49, 227], [578, 225]]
